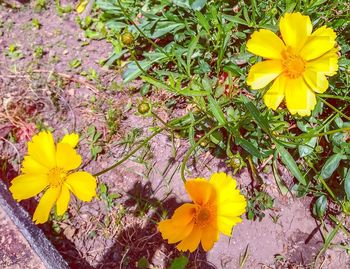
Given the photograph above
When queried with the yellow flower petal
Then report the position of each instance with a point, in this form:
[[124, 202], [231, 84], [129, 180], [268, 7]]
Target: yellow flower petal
[[317, 81], [263, 73], [174, 233], [31, 166], [321, 41], [191, 242], [184, 214], [225, 187], [63, 201], [295, 29], [223, 181], [266, 44], [71, 139], [274, 96], [209, 236], [299, 98], [46, 202], [327, 63], [42, 149], [234, 208], [28, 185], [83, 185], [200, 191], [67, 157], [225, 225]]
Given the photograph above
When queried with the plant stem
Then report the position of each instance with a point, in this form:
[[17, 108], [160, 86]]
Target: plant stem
[[144, 142], [334, 108], [344, 98], [189, 152]]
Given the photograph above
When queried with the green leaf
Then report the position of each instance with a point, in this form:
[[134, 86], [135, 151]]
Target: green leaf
[[330, 165], [103, 188], [203, 21], [235, 19], [320, 206], [179, 263], [282, 187], [158, 84], [260, 120], [347, 184], [198, 4], [133, 71], [190, 50], [288, 160], [307, 148], [216, 110], [143, 263], [166, 27], [248, 146]]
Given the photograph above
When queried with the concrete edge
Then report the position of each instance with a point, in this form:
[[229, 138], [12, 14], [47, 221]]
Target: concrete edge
[[47, 253]]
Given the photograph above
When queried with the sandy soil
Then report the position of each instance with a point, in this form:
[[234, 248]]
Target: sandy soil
[[117, 236]]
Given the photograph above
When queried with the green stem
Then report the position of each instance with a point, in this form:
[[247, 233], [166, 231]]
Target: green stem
[[334, 108], [189, 152], [344, 98], [129, 154], [328, 189], [344, 129]]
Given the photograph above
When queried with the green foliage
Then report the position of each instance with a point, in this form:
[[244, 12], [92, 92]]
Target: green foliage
[[94, 137], [179, 263], [259, 201], [13, 52], [38, 52], [196, 50], [108, 198]]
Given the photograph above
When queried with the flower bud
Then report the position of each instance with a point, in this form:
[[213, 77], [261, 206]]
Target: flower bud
[[127, 39], [143, 108]]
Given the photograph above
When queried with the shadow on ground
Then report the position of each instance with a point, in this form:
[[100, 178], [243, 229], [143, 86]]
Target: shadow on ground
[[144, 241]]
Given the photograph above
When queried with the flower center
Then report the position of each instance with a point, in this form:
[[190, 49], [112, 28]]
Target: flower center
[[56, 176], [204, 215], [293, 64]]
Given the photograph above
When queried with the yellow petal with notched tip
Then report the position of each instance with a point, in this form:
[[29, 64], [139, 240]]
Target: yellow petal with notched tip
[[299, 98], [266, 44], [82, 184], [71, 139], [262, 73], [63, 201], [327, 63], [320, 42], [200, 190], [42, 149], [67, 157], [42, 212], [317, 81], [295, 30], [192, 241], [28, 185], [274, 96]]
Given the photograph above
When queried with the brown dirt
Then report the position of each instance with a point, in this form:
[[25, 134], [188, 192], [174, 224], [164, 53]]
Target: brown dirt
[[98, 236]]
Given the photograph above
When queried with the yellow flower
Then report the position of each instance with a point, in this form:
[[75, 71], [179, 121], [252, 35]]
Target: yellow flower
[[299, 65], [47, 167], [217, 208]]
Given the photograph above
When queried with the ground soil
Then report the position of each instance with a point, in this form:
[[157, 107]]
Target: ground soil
[[48, 92]]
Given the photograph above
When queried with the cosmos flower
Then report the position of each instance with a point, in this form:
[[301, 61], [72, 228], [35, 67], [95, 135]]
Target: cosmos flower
[[217, 207], [299, 64], [47, 167]]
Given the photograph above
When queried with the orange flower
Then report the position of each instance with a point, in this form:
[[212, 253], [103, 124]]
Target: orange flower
[[217, 207]]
